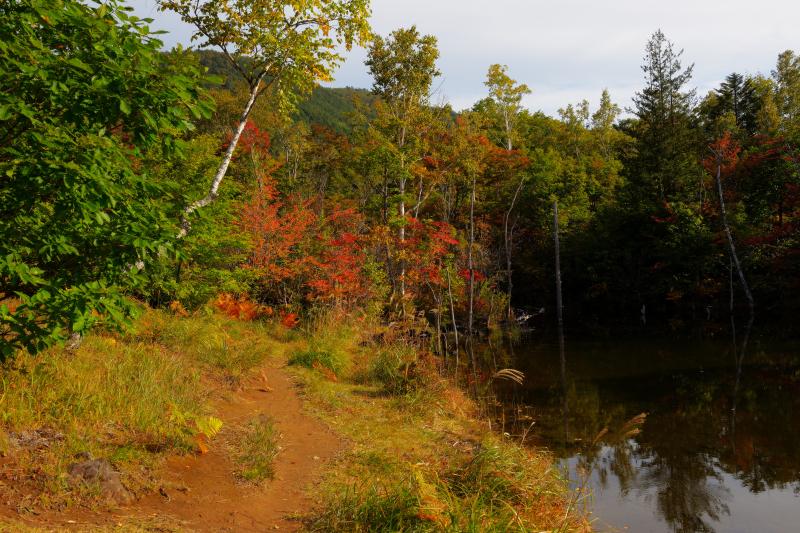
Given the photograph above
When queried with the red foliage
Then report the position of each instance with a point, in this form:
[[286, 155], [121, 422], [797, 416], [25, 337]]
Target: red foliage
[[727, 151], [425, 249], [479, 276], [252, 140], [276, 230], [240, 308], [338, 275], [290, 320]]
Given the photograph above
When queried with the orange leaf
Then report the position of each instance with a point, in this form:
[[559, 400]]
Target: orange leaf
[[202, 443]]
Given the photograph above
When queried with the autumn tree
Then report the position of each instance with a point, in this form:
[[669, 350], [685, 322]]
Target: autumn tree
[[283, 45], [403, 67]]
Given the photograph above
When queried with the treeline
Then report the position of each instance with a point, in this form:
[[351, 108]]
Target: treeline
[[128, 172], [642, 237]]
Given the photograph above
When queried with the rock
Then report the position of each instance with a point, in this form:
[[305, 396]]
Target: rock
[[34, 439], [100, 472]]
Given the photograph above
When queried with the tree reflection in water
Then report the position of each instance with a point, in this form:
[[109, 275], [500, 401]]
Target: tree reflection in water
[[712, 427]]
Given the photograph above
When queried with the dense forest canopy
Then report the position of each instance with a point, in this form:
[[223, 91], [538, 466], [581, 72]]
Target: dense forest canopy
[[376, 200]]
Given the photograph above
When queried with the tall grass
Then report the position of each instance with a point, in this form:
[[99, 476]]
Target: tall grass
[[497, 488], [107, 388], [129, 397], [330, 344]]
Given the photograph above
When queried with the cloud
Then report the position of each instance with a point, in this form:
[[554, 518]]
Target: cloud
[[571, 49]]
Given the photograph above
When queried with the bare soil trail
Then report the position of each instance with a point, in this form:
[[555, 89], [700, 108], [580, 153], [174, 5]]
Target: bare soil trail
[[216, 501], [202, 493]]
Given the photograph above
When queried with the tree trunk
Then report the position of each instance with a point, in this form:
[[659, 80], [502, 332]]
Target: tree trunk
[[471, 269], [186, 225], [507, 237], [559, 305], [729, 236], [402, 234], [453, 318], [402, 231]]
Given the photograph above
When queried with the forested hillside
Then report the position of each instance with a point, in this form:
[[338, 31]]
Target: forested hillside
[[346, 198], [331, 107]]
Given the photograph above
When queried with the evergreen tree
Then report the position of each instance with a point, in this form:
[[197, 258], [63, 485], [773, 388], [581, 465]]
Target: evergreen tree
[[737, 96], [665, 166]]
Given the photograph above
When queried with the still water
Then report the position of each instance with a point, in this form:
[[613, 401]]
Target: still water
[[658, 436]]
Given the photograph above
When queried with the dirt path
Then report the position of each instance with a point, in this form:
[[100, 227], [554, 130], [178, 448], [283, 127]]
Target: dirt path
[[215, 501], [202, 493]]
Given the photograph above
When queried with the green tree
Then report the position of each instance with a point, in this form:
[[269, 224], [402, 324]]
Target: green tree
[[507, 95], [787, 93], [734, 106], [603, 121], [84, 91], [666, 162], [281, 45]]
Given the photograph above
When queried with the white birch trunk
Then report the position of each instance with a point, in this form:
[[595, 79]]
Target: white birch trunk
[[223, 167]]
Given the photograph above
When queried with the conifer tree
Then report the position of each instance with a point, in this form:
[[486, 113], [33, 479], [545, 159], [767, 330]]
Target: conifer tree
[[665, 166]]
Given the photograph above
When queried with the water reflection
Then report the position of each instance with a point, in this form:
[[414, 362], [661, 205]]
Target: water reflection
[[718, 451]]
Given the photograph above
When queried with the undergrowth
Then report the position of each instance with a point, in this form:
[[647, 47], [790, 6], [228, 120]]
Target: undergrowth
[[419, 457]]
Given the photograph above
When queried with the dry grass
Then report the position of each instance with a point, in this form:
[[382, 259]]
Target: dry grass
[[254, 448]]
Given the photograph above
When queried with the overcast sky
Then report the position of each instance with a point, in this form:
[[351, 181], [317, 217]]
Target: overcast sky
[[568, 50]]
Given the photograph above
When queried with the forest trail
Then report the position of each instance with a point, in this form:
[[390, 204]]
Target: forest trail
[[216, 500], [201, 492]]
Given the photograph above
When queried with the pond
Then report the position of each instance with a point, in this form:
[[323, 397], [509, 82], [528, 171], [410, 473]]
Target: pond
[[664, 435]]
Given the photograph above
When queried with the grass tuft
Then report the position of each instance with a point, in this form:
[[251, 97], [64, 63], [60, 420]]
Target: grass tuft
[[255, 449]]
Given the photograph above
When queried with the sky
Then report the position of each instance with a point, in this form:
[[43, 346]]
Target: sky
[[567, 50]]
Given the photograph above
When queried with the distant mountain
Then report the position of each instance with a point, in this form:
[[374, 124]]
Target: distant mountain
[[327, 106], [333, 107]]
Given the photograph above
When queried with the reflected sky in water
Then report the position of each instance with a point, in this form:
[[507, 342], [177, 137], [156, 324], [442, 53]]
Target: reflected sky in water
[[719, 449]]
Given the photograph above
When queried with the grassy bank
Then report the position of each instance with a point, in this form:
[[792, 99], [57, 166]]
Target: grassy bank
[[417, 458], [420, 459]]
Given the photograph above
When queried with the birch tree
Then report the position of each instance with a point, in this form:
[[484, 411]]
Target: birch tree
[[506, 94], [283, 45], [403, 67]]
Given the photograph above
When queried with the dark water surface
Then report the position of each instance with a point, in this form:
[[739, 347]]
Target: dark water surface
[[718, 449]]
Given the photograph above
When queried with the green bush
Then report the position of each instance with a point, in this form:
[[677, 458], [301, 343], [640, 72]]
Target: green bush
[[77, 211]]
